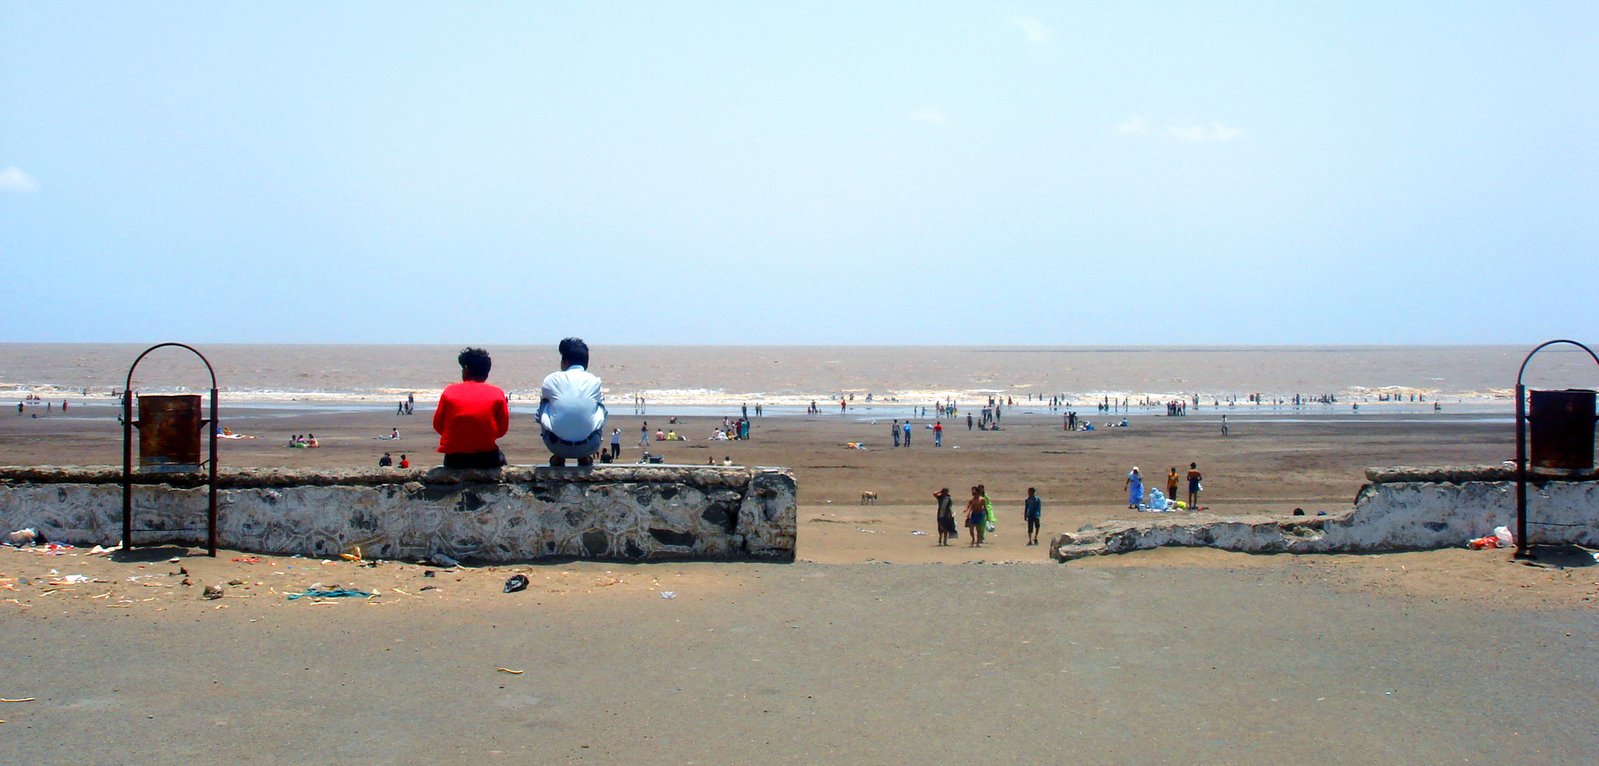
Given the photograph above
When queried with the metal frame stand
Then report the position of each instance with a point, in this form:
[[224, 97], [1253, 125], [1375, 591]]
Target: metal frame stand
[[1521, 445], [127, 452]]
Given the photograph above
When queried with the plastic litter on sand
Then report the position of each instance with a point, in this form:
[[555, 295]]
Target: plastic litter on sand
[[333, 593]]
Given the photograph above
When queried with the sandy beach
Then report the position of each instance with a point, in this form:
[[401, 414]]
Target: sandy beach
[[1267, 464], [876, 646]]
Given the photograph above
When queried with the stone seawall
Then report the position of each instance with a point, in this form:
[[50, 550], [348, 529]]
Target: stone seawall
[[1400, 509], [630, 513]]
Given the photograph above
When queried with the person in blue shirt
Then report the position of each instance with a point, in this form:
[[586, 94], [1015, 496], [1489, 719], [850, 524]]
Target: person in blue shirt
[[1032, 513]]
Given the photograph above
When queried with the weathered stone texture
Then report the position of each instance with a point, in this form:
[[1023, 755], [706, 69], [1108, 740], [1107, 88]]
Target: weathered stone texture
[[515, 514], [1387, 516]]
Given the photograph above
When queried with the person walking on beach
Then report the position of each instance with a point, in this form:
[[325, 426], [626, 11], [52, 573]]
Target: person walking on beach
[[894, 431], [907, 429], [1223, 425], [938, 433], [968, 421], [1194, 478], [472, 416], [1033, 514], [1135, 489], [644, 436], [1171, 484], [988, 510], [976, 517], [946, 517]]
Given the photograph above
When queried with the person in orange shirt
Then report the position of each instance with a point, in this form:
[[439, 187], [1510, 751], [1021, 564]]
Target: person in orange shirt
[[472, 416]]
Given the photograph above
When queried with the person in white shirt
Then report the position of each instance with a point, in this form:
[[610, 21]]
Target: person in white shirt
[[571, 410]]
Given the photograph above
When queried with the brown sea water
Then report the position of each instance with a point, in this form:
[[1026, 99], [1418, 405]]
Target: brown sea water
[[791, 374]]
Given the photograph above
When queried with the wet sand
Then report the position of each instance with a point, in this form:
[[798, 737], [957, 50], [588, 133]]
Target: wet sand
[[989, 655]]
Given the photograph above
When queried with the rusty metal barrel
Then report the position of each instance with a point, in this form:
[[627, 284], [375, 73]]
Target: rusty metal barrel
[[169, 433], [1561, 428]]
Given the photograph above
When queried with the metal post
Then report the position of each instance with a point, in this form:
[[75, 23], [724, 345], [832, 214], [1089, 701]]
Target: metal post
[[211, 523], [127, 468], [1521, 471]]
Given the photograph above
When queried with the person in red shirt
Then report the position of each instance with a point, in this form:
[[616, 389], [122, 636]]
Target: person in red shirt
[[472, 416]]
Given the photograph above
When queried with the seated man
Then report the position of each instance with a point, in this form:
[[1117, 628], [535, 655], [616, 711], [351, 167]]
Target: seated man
[[472, 416], [571, 409]]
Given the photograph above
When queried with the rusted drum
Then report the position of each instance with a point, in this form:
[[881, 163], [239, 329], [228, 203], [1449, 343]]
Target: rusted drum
[[1561, 427], [169, 433]]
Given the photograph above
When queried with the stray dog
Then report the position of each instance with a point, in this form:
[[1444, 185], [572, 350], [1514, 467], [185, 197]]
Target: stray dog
[[868, 498]]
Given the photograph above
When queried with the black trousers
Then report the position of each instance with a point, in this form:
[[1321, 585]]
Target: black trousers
[[491, 459]]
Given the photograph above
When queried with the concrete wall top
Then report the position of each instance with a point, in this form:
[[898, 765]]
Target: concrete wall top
[[245, 478], [1460, 474]]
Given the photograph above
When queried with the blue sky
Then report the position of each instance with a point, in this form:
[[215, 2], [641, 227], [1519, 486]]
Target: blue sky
[[811, 173]]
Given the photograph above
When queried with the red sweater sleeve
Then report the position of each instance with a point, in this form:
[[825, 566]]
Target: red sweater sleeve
[[502, 418]]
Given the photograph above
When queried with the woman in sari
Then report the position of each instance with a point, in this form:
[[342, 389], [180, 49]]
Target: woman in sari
[[1135, 489]]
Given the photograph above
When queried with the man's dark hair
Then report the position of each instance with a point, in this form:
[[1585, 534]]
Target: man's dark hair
[[475, 363], [574, 352]]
